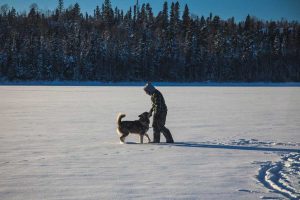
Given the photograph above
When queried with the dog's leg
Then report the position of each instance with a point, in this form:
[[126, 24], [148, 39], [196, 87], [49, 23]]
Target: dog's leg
[[148, 137], [122, 138], [141, 139]]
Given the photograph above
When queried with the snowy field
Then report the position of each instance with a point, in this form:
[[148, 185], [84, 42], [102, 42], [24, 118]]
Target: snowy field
[[59, 142]]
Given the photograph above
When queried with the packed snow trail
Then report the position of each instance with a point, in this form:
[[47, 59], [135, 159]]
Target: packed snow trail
[[276, 176]]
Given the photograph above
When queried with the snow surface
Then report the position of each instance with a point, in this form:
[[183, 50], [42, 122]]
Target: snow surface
[[231, 143]]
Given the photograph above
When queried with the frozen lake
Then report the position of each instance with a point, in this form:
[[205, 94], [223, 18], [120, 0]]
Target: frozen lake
[[60, 142]]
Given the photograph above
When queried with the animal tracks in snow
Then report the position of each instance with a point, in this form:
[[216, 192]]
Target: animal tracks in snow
[[256, 142]]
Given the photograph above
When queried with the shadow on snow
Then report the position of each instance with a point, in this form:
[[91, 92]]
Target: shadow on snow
[[220, 146]]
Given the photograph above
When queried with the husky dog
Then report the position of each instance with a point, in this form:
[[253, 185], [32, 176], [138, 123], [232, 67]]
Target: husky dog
[[139, 127]]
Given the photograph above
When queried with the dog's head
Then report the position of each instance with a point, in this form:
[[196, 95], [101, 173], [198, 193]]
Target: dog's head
[[144, 118]]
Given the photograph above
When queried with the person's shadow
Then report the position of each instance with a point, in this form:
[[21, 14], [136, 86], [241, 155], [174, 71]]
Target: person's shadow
[[221, 146]]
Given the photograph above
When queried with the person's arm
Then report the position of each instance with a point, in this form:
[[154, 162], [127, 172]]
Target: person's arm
[[150, 112], [157, 105], [153, 106]]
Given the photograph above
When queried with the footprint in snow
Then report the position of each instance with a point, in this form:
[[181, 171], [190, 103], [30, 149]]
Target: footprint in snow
[[263, 197], [248, 191]]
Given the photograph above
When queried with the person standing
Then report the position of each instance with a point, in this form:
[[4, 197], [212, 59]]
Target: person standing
[[159, 108]]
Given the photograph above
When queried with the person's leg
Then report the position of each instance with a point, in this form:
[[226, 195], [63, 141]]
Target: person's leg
[[164, 130], [156, 134], [167, 134], [156, 128]]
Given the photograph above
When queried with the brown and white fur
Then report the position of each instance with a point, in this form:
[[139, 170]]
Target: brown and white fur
[[139, 127]]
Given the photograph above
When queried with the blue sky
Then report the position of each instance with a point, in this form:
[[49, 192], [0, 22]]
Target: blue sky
[[263, 9]]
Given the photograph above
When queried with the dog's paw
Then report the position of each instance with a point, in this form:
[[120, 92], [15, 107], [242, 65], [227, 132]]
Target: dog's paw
[[122, 142]]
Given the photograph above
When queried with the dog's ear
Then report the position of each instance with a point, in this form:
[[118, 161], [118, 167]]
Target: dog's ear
[[145, 115]]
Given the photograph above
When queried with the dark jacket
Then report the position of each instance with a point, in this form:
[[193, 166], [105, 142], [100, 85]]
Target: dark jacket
[[158, 103]]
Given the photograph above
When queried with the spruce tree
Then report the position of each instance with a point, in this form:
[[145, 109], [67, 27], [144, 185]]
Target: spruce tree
[[165, 17], [150, 15], [186, 21], [97, 13], [60, 6], [108, 14]]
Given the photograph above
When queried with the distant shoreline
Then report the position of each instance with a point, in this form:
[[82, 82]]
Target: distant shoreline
[[162, 84]]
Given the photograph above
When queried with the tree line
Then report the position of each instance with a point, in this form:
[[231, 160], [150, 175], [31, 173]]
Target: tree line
[[136, 45]]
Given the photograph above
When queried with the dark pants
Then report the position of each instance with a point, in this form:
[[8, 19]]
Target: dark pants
[[159, 120]]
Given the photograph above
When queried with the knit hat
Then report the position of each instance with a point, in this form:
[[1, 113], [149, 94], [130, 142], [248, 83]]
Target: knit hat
[[149, 88]]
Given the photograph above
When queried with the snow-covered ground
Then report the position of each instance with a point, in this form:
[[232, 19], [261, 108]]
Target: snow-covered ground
[[59, 142]]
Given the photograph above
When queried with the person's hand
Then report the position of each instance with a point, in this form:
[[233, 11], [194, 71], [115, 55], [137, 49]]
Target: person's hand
[[150, 112]]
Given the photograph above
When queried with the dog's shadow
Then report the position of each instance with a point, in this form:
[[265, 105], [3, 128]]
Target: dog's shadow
[[232, 147]]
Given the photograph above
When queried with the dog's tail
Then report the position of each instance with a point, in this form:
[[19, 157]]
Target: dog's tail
[[120, 116]]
